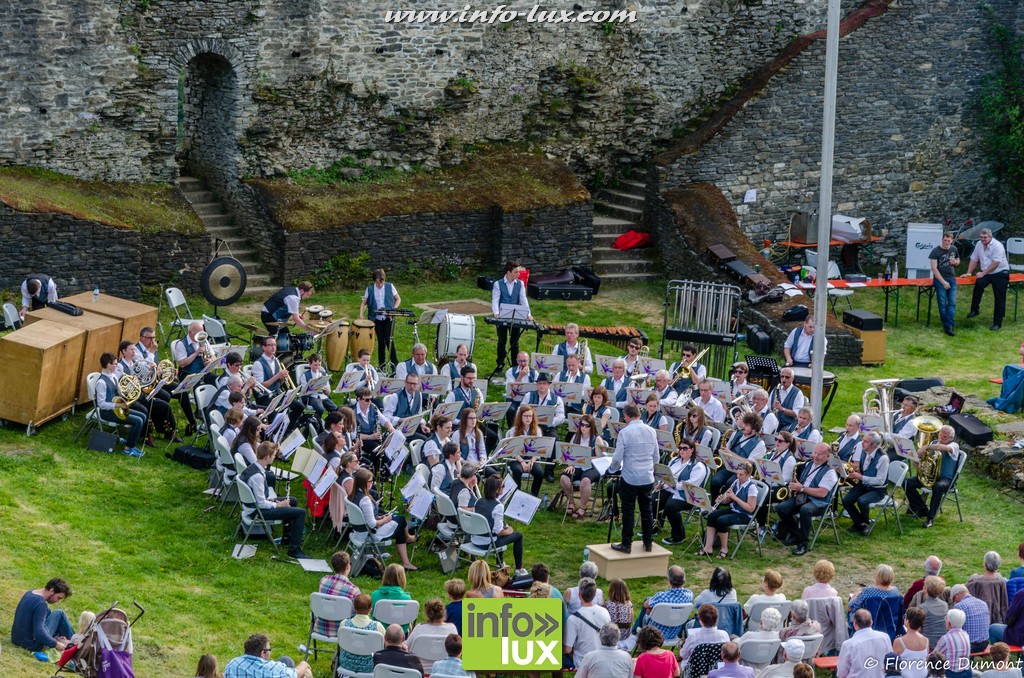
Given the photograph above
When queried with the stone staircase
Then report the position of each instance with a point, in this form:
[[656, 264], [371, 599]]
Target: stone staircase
[[218, 224], [617, 210]]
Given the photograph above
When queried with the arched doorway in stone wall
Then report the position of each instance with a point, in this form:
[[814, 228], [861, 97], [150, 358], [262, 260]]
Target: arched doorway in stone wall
[[208, 98]]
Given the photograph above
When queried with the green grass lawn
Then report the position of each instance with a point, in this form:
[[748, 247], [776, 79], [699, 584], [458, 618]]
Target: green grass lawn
[[123, 529]]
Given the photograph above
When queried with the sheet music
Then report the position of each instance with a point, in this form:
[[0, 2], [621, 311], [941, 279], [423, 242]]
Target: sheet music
[[317, 384], [639, 395], [319, 466], [489, 412], [301, 459], [413, 486], [388, 385], [770, 470], [546, 362], [536, 446], [435, 384], [291, 443], [396, 463], [544, 414], [573, 420], [836, 464], [325, 483], [568, 391], [604, 364], [579, 456], [522, 507], [450, 410], [697, 496], [652, 365], [519, 389], [419, 507], [508, 487], [279, 420], [314, 565], [348, 381], [905, 448], [601, 464], [394, 442], [409, 425], [187, 384]]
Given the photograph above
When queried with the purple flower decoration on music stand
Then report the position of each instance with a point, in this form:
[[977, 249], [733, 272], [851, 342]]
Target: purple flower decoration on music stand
[[488, 412], [543, 365], [529, 448], [387, 388], [516, 392], [560, 392]]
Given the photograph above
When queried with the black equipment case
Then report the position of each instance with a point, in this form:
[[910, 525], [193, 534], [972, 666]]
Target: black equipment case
[[563, 292], [193, 456], [759, 340], [865, 321], [970, 429]]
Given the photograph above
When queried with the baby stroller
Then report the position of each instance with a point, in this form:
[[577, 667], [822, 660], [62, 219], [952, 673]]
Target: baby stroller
[[104, 650]]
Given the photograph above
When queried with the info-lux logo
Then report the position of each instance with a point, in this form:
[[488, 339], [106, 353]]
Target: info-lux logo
[[512, 633]]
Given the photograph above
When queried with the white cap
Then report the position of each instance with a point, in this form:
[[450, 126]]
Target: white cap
[[794, 649]]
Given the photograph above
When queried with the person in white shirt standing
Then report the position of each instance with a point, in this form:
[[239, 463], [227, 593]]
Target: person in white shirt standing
[[508, 301], [989, 257], [797, 348], [861, 655], [636, 453]]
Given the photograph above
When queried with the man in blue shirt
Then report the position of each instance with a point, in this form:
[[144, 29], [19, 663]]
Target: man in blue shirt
[[35, 626], [256, 662]]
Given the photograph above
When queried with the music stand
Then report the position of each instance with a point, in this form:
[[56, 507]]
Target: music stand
[[764, 367]]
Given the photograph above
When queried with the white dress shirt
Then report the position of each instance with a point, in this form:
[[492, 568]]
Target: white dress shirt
[[986, 256], [636, 453], [863, 645], [403, 370], [713, 409]]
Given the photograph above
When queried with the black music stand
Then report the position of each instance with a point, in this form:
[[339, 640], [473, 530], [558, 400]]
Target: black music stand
[[764, 367], [390, 314]]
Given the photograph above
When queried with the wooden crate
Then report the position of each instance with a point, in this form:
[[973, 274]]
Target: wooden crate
[[874, 345], [102, 335], [611, 564], [39, 367], [133, 315]]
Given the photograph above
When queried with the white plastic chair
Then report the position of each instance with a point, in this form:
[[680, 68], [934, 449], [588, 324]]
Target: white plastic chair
[[474, 524], [255, 519], [12, 320], [362, 538], [401, 612], [672, 614], [757, 609], [203, 398], [176, 300], [430, 648], [216, 330], [387, 671], [359, 642], [762, 497], [757, 653], [812, 645], [1015, 246], [448, 528], [327, 608], [897, 474], [415, 452]]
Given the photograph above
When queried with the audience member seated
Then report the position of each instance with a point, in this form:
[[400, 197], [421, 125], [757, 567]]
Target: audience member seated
[[480, 581], [256, 662], [362, 605], [771, 584], [990, 587], [977, 613], [912, 646], [456, 590], [207, 667], [1019, 571], [865, 644], [882, 596], [607, 661], [799, 625], [824, 571], [932, 567], [336, 584], [620, 607], [999, 654], [35, 626], [803, 671], [1012, 632], [434, 626], [955, 646], [707, 632], [396, 652], [540, 573], [654, 661], [936, 665], [572, 596], [768, 629], [719, 590], [676, 594], [584, 625], [731, 667], [935, 609], [393, 584], [793, 652], [452, 666]]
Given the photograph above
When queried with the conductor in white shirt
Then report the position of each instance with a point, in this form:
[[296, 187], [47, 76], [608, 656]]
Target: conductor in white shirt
[[636, 453], [508, 300]]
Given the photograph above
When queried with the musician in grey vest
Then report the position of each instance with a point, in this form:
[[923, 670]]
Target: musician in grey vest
[[571, 346], [37, 290], [106, 391], [465, 392], [445, 471], [746, 443], [268, 371], [849, 445], [508, 301], [811, 495], [686, 468], [284, 306], [501, 533], [463, 492], [187, 353], [417, 364], [272, 508], [454, 368], [870, 470], [379, 297], [786, 400], [406, 403], [573, 374], [949, 464]]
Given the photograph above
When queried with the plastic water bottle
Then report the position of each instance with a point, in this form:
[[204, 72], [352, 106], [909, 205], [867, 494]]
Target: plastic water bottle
[[95, 294], [888, 272], [586, 553], [544, 501]]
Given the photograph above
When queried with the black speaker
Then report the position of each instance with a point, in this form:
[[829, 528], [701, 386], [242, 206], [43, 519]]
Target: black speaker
[[101, 441], [865, 321]]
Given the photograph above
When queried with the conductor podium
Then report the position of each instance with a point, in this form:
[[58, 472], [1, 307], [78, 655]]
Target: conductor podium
[[611, 563]]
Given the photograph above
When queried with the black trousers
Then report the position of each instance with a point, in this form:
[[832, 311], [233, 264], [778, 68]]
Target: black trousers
[[631, 495], [999, 282], [383, 330], [294, 519], [857, 500], [516, 539], [516, 469], [917, 506], [796, 520], [503, 340]]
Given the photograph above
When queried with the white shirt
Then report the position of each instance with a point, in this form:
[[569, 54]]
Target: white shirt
[[863, 645], [371, 378], [903, 425], [391, 405], [799, 344], [257, 369], [985, 256], [580, 637], [588, 360], [308, 376], [668, 396], [636, 453], [779, 394], [26, 298], [713, 409], [477, 451], [533, 399], [402, 370], [178, 349], [769, 422], [518, 310], [855, 451]]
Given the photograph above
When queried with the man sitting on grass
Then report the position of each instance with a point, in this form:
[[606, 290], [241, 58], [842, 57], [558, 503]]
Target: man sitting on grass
[[256, 662], [35, 626]]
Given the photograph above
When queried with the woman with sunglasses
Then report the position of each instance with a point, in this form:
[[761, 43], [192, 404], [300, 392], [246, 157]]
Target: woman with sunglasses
[[785, 455], [695, 427], [585, 435], [687, 469]]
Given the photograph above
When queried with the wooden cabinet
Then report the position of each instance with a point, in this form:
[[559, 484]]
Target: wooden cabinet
[[102, 335], [39, 366], [874, 345], [133, 315]]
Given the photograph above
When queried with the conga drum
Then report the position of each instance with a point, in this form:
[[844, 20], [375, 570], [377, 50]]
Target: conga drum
[[312, 312], [362, 336], [337, 346]]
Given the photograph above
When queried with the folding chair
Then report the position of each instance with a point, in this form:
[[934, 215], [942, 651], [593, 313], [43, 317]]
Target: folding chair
[[758, 653], [474, 524], [952, 486], [93, 418], [672, 614], [216, 331], [757, 609], [176, 300], [415, 452], [245, 524], [227, 472], [1015, 246], [828, 517], [325, 607], [762, 497], [430, 648], [359, 642], [448, 530], [401, 612], [812, 645], [387, 671], [202, 399], [362, 538], [12, 320], [897, 474]]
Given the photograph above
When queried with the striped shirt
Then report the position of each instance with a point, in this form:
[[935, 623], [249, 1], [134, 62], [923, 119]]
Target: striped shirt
[[955, 646], [335, 585]]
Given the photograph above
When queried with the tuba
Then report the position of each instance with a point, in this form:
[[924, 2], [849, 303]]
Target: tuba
[[878, 399], [130, 389], [931, 461]]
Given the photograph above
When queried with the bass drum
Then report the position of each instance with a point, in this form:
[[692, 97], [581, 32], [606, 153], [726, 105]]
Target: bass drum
[[802, 379], [455, 329], [256, 350], [337, 347], [361, 336]]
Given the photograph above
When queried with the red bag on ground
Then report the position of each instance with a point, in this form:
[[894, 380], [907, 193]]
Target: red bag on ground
[[631, 240]]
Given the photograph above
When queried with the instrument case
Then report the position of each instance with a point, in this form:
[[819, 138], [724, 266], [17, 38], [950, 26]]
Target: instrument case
[[865, 321], [587, 278], [563, 292], [485, 282], [759, 340], [563, 277], [907, 387], [970, 429], [193, 456]]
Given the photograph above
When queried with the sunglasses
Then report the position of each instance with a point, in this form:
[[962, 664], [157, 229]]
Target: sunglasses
[[366, 400], [739, 371], [584, 424]]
